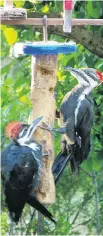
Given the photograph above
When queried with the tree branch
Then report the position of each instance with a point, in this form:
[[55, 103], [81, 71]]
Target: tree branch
[[30, 222], [90, 40], [81, 208]]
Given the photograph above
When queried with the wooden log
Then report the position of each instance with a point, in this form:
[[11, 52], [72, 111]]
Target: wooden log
[[42, 96]]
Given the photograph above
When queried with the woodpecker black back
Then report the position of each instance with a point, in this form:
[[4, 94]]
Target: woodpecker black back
[[76, 119]]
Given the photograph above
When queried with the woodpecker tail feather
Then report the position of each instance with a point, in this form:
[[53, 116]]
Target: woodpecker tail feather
[[66, 160], [32, 201], [76, 158], [15, 216], [85, 147], [60, 164]]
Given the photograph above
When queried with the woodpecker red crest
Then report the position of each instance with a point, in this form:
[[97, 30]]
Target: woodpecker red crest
[[13, 129], [99, 75]]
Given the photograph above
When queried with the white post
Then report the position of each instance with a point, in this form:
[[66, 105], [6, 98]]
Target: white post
[[67, 4], [8, 3]]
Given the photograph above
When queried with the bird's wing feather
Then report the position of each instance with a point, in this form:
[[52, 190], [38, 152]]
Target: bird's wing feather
[[85, 116], [18, 165], [84, 125]]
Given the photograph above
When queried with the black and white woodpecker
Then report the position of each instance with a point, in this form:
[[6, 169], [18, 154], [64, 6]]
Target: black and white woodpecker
[[76, 119], [21, 163]]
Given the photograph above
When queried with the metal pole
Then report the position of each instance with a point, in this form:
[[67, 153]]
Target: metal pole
[[45, 33]]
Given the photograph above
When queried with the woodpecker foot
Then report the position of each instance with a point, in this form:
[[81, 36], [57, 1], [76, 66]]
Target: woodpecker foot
[[71, 148], [73, 163], [45, 154], [47, 127], [61, 130]]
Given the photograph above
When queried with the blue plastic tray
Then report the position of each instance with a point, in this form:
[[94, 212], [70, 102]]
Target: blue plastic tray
[[44, 49]]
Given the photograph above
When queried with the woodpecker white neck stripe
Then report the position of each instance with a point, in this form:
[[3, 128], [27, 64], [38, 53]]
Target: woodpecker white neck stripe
[[86, 91], [80, 99], [92, 76], [86, 77], [31, 145], [82, 75]]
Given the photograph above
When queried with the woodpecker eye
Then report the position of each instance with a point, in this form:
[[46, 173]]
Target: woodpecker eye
[[25, 129], [87, 72]]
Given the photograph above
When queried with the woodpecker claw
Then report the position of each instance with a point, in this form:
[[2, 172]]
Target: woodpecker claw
[[45, 154], [61, 130], [47, 127]]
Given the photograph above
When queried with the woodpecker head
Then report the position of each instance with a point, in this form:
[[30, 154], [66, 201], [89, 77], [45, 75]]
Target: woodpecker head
[[88, 77], [21, 133]]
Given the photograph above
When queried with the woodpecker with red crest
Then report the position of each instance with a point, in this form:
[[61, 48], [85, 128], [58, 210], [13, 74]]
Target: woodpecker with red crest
[[21, 163], [76, 119]]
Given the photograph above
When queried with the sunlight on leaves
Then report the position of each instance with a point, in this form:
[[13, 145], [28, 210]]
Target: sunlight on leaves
[[45, 9], [59, 75], [24, 99], [11, 35]]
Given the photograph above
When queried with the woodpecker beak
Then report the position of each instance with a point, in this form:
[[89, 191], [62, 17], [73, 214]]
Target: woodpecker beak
[[79, 74], [33, 127], [30, 131], [70, 69], [75, 72]]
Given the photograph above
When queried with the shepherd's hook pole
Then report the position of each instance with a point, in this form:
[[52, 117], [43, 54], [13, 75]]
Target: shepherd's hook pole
[[45, 28]]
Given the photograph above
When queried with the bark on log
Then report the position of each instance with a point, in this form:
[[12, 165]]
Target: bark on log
[[42, 96]]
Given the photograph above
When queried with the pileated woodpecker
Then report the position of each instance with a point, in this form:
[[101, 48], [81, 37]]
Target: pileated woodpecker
[[21, 162], [76, 119]]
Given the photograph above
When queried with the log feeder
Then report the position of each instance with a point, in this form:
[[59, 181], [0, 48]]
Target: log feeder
[[42, 96], [43, 82]]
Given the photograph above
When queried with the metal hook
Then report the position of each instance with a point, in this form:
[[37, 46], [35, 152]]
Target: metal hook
[[45, 33]]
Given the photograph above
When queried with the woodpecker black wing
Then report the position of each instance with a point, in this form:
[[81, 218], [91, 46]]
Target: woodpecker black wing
[[20, 174], [19, 163], [20, 171], [59, 165], [84, 124]]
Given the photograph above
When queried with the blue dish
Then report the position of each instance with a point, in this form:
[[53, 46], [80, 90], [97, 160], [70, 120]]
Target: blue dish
[[49, 49], [43, 48]]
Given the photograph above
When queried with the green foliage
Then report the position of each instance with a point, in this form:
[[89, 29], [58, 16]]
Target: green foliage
[[75, 205]]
